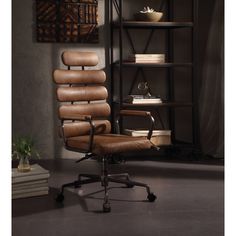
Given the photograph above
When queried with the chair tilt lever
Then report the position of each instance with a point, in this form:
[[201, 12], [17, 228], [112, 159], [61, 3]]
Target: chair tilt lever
[[87, 156]]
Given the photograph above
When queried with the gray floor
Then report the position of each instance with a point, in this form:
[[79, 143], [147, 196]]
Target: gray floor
[[190, 202]]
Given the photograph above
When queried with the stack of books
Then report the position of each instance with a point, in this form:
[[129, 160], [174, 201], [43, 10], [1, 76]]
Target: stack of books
[[141, 99], [159, 137], [140, 132], [30, 184], [147, 58]]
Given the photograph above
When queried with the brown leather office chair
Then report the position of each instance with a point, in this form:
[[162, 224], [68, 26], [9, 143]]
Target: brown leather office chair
[[85, 126]]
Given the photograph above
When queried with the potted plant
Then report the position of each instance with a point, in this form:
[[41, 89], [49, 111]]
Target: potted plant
[[23, 150]]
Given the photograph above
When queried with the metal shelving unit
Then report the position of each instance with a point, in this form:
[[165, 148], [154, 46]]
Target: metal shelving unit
[[122, 26]]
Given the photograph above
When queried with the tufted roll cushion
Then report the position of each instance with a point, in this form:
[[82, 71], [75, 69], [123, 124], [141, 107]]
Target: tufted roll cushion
[[88, 93], [95, 110], [79, 76]]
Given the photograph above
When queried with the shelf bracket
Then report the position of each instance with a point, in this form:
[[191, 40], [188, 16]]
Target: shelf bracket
[[139, 70], [116, 7], [148, 41]]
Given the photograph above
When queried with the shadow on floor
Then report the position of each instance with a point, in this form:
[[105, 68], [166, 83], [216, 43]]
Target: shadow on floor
[[169, 172], [29, 206]]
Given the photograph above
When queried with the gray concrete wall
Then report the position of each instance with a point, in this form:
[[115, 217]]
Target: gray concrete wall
[[34, 104]]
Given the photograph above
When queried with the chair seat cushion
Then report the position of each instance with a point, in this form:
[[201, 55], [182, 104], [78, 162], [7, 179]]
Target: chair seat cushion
[[110, 143]]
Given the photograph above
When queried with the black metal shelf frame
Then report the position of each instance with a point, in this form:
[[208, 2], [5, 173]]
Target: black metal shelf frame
[[153, 25], [160, 65], [123, 27]]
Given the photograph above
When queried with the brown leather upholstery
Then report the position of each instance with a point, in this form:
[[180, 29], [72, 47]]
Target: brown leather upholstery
[[73, 129], [95, 110], [74, 58], [88, 93], [110, 143], [87, 86], [78, 118], [79, 76]]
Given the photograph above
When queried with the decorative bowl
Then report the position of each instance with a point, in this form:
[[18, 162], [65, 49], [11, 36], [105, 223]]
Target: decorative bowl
[[148, 16]]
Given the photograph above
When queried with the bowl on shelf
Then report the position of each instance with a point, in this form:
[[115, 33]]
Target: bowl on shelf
[[148, 16]]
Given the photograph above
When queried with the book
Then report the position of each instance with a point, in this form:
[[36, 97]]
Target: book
[[140, 99], [37, 173], [30, 178], [146, 55], [29, 186], [32, 194], [147, 58], [147, 101], [30, 183], [144, 133], [147, 61], [159, 137], [30, 190]]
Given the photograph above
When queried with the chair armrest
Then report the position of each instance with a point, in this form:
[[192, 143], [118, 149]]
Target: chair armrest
[[134, 113], [86, 118], [140, 114]]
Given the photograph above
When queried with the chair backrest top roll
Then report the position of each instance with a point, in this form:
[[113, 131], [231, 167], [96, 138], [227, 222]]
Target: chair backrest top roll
[[76, 58]]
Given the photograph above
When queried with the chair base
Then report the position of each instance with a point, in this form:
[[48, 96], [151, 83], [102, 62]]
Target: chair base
[[105, 178]]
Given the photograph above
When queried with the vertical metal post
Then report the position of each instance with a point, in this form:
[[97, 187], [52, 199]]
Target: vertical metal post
[[121, 50], [111, 57], [110, 7], [121, 60], [195, 84], [170, 70]]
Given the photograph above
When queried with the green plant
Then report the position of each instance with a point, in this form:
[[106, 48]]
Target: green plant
[[24, 147]]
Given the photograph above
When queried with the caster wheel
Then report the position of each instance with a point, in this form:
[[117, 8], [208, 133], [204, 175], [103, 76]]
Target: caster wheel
[[60, 197], [80, 192], [129, 185], [106, 207], [151, 197]]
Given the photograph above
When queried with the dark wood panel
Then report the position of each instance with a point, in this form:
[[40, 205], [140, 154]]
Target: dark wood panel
[[71, 21]]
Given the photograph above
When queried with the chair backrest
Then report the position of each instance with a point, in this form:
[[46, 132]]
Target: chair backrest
[[81, 92]]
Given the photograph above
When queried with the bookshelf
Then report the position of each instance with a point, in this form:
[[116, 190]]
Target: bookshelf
[[120, 31]]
